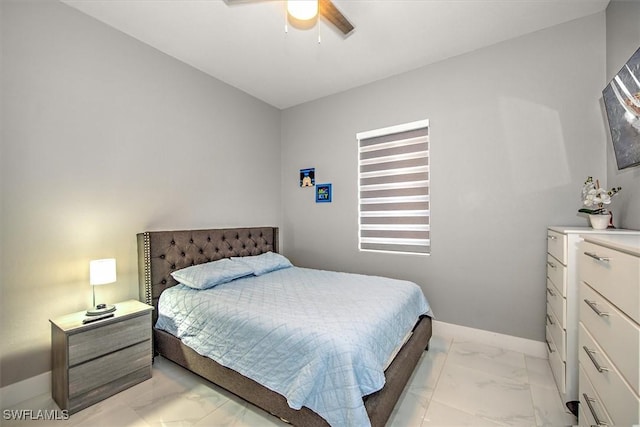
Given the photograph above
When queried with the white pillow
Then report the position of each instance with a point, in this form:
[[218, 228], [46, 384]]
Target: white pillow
[[210, 274], [264, 263]]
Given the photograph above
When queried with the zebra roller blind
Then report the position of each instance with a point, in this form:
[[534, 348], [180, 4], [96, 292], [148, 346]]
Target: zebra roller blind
[[394, 189]]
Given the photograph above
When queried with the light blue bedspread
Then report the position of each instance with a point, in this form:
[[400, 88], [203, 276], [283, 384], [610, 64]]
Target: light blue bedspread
[[319, 338]]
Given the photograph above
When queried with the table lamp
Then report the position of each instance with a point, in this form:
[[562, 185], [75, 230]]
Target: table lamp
[[101, 272]]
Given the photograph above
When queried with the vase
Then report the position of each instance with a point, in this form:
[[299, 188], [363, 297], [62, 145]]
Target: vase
[[599, 222]]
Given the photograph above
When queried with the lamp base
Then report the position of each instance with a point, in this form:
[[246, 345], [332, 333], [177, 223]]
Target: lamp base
[[101, 309]]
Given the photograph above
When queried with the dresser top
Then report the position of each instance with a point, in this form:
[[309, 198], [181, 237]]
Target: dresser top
[[589, 230], [625, 243]]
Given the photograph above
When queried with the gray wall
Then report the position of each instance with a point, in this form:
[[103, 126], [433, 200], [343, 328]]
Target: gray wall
[[99, 132], [104, 137], [515, 130], [623, 39]]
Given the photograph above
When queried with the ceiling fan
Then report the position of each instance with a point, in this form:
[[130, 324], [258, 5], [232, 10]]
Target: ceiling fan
[[304, 14]]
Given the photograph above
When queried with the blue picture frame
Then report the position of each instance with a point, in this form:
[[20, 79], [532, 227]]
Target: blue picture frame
[[323, 193], [307, 177]]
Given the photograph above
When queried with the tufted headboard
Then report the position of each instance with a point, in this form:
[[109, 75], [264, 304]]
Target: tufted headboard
[[162, 252]]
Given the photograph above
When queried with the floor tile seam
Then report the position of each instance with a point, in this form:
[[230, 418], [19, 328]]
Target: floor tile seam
[[533, 400], [448, 362], [163, 386], [466, 411], [533, 403], [134, 402], [553, 387], [445, 363], [192, 421], [527, 402], [183, 393], [472, 368], [111, 407], [246, 407], [558, 400], [522, 365], [436, 382]]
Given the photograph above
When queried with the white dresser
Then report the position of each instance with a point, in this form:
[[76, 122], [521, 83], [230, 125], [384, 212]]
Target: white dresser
[[609, 330], [563, 293]]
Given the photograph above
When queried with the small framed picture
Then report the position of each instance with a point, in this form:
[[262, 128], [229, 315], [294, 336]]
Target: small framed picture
[[307, 177], [323, 193]]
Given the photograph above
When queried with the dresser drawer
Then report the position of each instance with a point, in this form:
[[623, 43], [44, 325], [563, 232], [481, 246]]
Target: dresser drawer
[[618, 336], [557, 333], [95, 342], [592, 412], [558, 303], [583, 420], [558, 274], [557, 245], [615, 275], [556, 363], [93, 374], [619, 400]]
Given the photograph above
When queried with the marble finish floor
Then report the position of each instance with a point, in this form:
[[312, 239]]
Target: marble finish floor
[[456, 383]]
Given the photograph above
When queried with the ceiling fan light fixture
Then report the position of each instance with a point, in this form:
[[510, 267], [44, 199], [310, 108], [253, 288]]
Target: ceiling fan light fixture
[[302, 10]]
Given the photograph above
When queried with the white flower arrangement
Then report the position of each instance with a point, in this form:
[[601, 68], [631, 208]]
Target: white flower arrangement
[[596, 197]]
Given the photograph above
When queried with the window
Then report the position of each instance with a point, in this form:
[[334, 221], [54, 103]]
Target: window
[[393, 184]]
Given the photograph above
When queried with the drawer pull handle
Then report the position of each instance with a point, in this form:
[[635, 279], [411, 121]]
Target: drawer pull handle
[[549, 321], [550, 237], [591, 353], [549, 345], [589, 402], [551, 292], [596, 257], [552, 265], [592, 305]]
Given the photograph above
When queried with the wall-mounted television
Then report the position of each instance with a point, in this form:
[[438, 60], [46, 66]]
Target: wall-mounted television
[[622, 102]]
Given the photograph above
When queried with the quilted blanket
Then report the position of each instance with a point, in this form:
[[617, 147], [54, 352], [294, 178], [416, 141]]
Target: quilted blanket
[[319, 338]]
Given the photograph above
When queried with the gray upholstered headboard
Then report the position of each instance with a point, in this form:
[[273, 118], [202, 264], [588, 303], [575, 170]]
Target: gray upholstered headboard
[[162, 252]]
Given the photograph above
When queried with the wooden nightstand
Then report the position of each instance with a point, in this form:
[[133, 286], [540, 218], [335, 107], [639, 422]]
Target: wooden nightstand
[[93, 361]]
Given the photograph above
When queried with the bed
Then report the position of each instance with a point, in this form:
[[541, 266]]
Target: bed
[[161, 253]]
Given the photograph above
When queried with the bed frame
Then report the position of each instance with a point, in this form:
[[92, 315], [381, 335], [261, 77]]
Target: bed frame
[[162, 252]]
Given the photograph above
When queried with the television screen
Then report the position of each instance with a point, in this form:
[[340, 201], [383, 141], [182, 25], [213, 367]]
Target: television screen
[[622, 102]]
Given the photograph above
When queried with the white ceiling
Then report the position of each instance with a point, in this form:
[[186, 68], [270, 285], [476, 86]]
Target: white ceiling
[[244, 44]]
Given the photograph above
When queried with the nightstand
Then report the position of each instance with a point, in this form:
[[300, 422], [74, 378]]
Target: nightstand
[[93, 361]]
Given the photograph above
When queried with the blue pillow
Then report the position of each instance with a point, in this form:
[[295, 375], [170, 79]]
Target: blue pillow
[[264, 263], [210, 274]]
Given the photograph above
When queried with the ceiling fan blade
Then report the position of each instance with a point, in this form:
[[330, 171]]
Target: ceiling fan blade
[[331, 13]]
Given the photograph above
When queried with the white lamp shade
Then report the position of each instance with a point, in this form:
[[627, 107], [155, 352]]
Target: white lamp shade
[[102, 271], [302, 9]]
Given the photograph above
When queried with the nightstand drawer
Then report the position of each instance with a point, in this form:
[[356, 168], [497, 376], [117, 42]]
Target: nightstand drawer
[[95, 342], [557, 245], [618, 336], [613, 274], [557, 273], [98, 372]]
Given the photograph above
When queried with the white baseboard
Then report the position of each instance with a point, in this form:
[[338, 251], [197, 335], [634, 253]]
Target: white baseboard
[[24, 390], [522, 345], [31, 387]]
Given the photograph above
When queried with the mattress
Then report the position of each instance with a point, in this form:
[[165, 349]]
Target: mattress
[[321, 339]]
